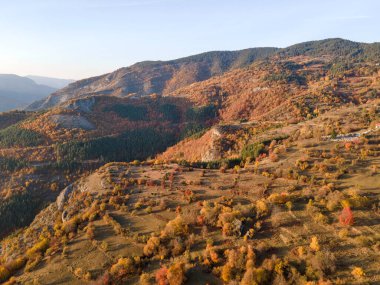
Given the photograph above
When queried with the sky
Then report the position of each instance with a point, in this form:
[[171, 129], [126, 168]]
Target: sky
[[77, 39]]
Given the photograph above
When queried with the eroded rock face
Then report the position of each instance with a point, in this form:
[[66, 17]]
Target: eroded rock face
[[211, 155], [83, 105], [214, 153], [219, 144], [73, 122], [63, 196], [65, 216]]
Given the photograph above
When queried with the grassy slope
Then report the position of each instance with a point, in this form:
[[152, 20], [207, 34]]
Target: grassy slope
[[282, 232]]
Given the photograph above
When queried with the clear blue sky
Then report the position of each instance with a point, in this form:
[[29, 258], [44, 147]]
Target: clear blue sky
[[82, 38]]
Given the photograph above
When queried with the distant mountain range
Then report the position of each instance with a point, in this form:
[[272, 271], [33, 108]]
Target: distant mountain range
[[18, 92], [50, 81]]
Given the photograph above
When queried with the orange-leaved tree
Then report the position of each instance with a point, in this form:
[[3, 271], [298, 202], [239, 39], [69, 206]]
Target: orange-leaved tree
[[346, 218]]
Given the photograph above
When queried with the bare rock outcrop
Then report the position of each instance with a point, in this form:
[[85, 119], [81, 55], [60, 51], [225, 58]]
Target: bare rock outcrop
[[63, 196]]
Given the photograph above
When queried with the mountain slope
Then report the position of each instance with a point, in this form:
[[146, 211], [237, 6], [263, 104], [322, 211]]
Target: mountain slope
[[18, 92], [279, 217], [164, 77], [159, 77]]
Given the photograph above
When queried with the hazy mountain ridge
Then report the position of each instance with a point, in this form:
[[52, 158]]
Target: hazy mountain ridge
[[50, 81], [18, 92]]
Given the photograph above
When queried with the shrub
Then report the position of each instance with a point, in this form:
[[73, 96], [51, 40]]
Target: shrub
[[104, 246], [175, 227], [255, 276], [39, 247], [262, 208], [323, 262], [276, 198], [33, 262], [289, 205], [252, 151], [178, 246], [237, 259], [16, 264], [273, 157], [358, 201], [87, 276], [104, 279], [151, 246], [90, 231], [310, 208], [277, 217], [226, 273], [358, 272], [343, 233], [163, 204], [333, 200], [176, 274], [230, 223], [161, 276], [144, 279], [210, 212], [4, 274], [314, 244], [123, 267], [70, 226], [78, 272], [320, 218]]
